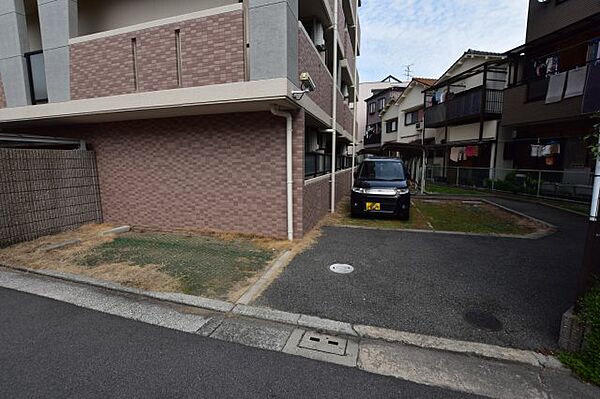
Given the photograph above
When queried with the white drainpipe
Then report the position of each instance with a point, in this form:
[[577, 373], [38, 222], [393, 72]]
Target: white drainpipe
[[334, 107], [289, 175], [355, 92]]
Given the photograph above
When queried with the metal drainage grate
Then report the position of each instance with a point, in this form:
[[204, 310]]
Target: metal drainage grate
[[323, 343], [341, 268]]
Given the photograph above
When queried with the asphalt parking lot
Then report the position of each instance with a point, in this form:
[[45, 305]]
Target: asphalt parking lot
[[502, 291]]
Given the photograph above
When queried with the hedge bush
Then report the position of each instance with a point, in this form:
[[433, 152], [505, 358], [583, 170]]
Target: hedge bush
[[586, 362]]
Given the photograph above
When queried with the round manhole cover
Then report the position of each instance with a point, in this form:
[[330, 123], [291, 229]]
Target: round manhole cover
[[341, 268], [484, 320]]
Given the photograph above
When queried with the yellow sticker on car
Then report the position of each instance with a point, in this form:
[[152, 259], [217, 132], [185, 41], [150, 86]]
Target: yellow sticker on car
[[373, 206]]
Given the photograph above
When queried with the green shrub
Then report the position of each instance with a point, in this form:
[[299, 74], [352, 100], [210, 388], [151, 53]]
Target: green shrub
[[586, 362]]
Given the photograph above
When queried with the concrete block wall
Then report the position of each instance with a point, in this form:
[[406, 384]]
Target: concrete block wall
[[46, 191], [212, 52], [213, 172]]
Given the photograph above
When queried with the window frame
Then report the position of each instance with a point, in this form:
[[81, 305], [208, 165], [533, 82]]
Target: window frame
[[413, 121], [391, 122], [372, 107]]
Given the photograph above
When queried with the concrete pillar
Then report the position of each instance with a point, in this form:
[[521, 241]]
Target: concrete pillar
[[13, 44], [273, 38], [58, 23]]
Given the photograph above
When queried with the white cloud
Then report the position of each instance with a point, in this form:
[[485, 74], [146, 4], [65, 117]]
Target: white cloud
[[432, 34]]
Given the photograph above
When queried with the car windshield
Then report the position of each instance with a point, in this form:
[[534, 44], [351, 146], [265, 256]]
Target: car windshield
[[382, 170]]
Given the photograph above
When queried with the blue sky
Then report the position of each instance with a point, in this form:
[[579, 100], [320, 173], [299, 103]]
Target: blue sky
[[432, 34]]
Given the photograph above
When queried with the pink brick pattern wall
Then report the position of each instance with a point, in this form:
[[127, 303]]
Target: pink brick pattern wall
[[349, 51], [213, 172], [309, 61], [2, 95], [317, 197], [344, 115], [212, 52]]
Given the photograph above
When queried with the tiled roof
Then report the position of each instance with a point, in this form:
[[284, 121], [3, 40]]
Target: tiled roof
[[426, 81]]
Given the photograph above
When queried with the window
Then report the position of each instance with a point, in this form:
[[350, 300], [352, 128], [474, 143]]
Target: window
[[411, 118], [37, 77], [594, 51], [382, 170], [391, 126], [372, 107], [381, 104]]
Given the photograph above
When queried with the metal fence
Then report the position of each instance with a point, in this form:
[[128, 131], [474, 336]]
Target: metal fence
[[316, 164], [46, 191], [568, 184]]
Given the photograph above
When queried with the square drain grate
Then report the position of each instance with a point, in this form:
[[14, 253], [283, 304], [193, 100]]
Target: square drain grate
[[323, 343]]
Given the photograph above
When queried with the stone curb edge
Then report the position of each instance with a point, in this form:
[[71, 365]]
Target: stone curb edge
[[486, 351]]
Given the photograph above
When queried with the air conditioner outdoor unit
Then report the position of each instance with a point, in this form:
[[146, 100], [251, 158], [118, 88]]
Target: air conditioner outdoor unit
[[419, 126]]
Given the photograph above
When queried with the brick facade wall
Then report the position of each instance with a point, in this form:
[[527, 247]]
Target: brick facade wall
[[214, 172], [317, 197], [2, 95], [212, 52], [309, 61]]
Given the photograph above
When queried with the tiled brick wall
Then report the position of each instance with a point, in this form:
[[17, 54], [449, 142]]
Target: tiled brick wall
[[317, 197], [212, 52], [316, 202], [214, 172], [309, 61], [344, 115], [2, 95]]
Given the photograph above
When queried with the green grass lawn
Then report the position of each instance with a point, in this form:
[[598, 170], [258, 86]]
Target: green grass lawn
[[205, 265], [446, 215]]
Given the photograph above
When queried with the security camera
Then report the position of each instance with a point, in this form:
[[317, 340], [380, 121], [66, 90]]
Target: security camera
[[306, 82]]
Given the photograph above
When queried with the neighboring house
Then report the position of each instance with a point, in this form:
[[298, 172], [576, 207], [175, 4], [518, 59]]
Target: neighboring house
[[376, 107], [553, 90], [403, 119], [368, 89], [465, 107], [184, 103]]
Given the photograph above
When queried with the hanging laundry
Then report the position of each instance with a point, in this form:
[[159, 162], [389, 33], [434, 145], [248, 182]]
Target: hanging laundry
[[454, 153], [550, 160], [546, 150], [554, 148], [536, 150], [472, 151]]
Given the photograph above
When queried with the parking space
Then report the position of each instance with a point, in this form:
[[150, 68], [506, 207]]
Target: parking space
[[502, 291]]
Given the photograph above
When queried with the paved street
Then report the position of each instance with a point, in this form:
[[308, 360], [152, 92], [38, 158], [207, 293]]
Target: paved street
[[426, 283], [55, 350]]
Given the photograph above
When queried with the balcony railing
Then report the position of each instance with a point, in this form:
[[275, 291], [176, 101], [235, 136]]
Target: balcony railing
[[372, 139], [464, 106], [317, 164]]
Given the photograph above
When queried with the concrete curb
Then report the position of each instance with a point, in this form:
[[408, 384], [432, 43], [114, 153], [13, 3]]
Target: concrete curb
[[450, 345], [532, 236], [263, 282], [335, 327]]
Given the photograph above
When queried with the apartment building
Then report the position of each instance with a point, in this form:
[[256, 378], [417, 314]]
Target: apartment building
[[366, 90], [195, 109], [553, 93], [376, 106]]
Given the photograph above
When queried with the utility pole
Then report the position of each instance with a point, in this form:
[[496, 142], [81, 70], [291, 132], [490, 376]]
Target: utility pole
[[591, 260]]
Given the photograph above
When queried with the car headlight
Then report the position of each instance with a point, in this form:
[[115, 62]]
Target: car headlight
[[402, 191], [359, 190]]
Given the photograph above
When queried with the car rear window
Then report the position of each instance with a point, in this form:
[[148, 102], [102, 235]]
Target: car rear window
[[382, 170]]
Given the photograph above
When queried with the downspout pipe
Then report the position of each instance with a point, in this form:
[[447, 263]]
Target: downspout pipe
[[356, 87], [288, 167], [334, 105]]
